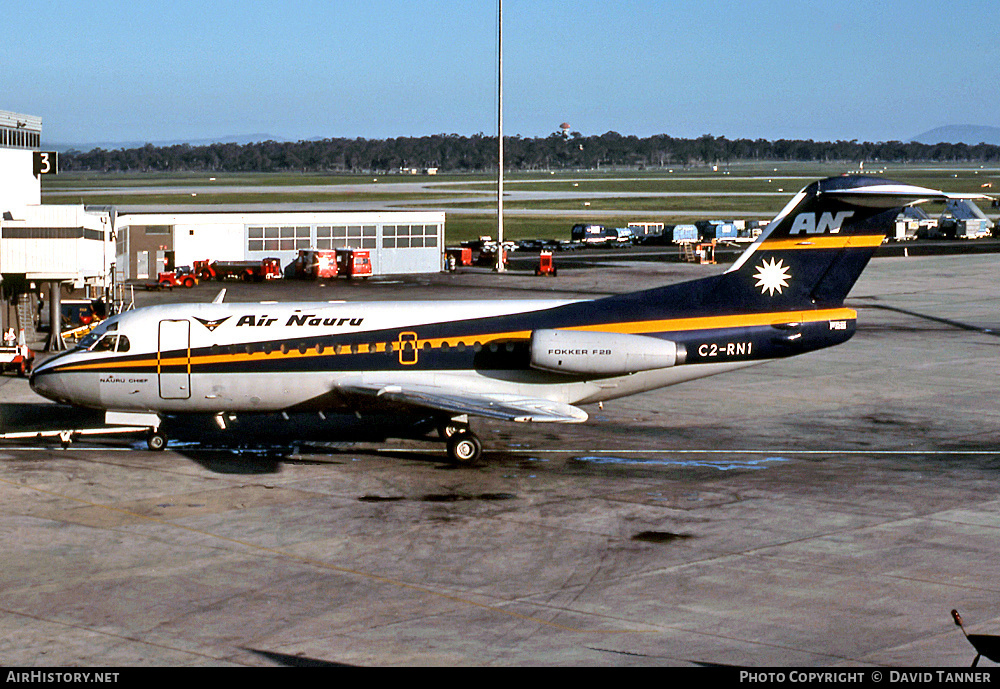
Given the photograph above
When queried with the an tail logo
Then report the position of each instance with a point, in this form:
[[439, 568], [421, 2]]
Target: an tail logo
[[772, 276], [827, 222]]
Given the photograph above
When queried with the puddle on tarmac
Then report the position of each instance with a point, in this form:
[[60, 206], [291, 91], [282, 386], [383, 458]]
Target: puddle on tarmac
[[720, 464]]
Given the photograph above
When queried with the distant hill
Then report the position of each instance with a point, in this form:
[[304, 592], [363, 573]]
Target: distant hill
[[116, 145], [971, 134]]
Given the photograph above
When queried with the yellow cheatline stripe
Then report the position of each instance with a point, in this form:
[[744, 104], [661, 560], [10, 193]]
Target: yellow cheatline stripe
[[161, 362], [343, 570], [822, 242], [631, 327], [736, 321]]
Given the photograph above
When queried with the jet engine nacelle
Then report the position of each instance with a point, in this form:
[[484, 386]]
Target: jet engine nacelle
[[601, 354]]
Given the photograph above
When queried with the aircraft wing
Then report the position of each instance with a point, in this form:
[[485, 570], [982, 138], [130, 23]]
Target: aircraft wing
[[504, 406]]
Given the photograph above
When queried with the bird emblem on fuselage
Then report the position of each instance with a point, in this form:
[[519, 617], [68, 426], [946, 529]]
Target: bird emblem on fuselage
[[212, 325]]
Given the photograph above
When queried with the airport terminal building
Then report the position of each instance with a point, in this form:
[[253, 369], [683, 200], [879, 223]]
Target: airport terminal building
[[20, 138], [45, 249]]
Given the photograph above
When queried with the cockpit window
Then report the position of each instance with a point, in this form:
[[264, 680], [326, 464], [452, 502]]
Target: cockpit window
[[93, 336], [105, 344], [110, 343], [88, 341]]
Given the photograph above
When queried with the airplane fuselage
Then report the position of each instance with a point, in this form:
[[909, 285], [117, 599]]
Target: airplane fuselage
[[509, 360], [263, 357]]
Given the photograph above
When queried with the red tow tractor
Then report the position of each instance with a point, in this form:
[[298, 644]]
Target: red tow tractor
[[545, 265], [14, 354], [179, 277]]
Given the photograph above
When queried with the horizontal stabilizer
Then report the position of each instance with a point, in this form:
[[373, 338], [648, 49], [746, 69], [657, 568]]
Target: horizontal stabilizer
[[887, 194]]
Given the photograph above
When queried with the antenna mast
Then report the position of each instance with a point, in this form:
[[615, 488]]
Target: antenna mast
[[500, 264]]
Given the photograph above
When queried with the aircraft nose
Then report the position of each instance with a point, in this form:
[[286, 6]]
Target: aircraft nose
[[47, 382]]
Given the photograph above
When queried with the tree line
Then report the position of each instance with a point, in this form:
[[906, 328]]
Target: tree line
[[478, 153]]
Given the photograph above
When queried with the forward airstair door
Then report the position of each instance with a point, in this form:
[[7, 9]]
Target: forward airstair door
[[173, 359]]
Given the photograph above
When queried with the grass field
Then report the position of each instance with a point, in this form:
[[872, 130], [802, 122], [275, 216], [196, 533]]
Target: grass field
[[230, 198], [542, 204]]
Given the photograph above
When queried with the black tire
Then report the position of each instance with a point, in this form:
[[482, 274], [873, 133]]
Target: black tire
[[464, 448], [156, 440]]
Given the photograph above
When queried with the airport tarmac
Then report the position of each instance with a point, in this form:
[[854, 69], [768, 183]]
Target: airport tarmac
[[822, 511]]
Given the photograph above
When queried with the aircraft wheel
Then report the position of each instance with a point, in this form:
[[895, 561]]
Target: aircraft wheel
[[156, 440], [464, 448]]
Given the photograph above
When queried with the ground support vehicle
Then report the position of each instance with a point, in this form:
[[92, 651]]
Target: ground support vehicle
[[459, 256], [703, 252], [545, 265], [248, 271], [179, 277], [313, 264], [75, 314], [593, 234], [354, 263], [15, 355]]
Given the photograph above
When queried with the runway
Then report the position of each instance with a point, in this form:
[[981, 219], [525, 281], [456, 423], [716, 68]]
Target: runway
[[827, 510]]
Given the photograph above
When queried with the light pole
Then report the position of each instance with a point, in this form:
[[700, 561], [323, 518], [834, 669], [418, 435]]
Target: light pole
[[500, 267]]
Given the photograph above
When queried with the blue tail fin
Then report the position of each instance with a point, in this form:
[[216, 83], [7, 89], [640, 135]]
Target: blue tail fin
[[813, 252], [808, 258]]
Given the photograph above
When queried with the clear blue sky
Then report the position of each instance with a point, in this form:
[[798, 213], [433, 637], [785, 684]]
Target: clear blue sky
[[129, 70]]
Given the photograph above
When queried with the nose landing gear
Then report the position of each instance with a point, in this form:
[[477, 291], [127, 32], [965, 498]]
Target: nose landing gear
[[156, 439]]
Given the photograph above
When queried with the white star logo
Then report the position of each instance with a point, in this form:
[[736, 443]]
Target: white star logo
[[772, 276]]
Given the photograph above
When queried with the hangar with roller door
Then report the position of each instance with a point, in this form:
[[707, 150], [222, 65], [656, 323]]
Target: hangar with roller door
[[398, 241]]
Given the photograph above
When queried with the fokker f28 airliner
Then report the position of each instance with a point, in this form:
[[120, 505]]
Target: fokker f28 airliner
[[437, 363]]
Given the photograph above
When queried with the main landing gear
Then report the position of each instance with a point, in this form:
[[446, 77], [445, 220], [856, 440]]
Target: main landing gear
[[464, 446]]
